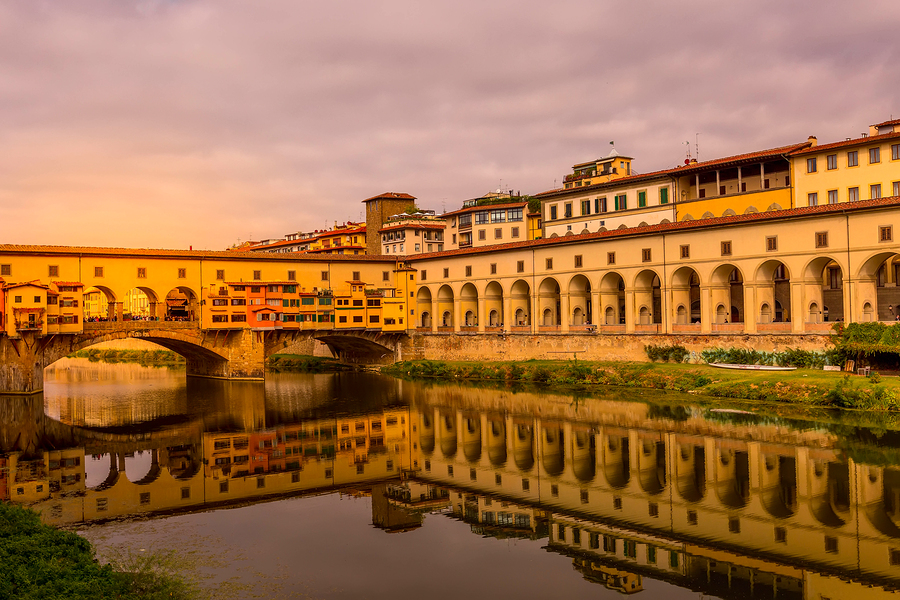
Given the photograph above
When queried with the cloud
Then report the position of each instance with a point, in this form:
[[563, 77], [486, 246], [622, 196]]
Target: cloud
[[199, 122]]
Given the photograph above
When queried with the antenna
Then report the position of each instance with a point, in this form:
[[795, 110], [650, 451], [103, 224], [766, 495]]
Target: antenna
[[697, 145]]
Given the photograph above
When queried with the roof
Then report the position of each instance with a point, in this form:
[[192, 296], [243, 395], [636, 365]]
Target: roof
[[727, 161], [262, 307], [521, 204], [224, 255], [413, 226], [391, 196], [762, 217], [259, 283], [68, 283], [860, 141], [886, 123], [35, 283]]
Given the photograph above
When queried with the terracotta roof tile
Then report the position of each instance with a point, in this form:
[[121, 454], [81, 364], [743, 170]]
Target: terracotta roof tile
[[164, 253], [391, 196], [760, 217], [434, 226], [886, 123], [486, 207], [860, 141]]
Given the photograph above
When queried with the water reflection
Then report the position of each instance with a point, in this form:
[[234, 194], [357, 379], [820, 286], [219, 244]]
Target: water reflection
[[629, 491]]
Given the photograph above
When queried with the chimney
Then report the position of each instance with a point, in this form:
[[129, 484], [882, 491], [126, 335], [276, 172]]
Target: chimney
[[813, 140]]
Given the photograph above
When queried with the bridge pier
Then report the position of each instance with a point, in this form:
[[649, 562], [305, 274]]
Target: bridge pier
[[21, 371]]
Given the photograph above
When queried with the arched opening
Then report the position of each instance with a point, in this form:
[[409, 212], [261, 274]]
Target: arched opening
[[829, 492], [493, 304], [878, 288], [552, 451], [686, 293], [733, 477], [140, 304], [648, 298], [523, 446], [580, 300], [773, 289], [445, 306], [468, 298], [652, 465], [778, 484], [426, 435], [690, 471], [100, 304], [497, 441], [616, 461], [612, 299], [181, 305], [824, 287], [471, 435], [423, 307], [548, 302], [584, 452], [727, 289], [520, 295], [447, 434]]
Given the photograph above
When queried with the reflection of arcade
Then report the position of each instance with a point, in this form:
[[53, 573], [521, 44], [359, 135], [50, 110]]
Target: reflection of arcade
[[95, 482], [730, 496]]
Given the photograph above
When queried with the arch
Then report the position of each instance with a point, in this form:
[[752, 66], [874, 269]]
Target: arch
[[568, 233], [497, 441], [142, 467], [648, 293], [584, 452], [774, 289], [665, 222], [622, 226], [708, 215], [751, 210], [690, 471], [602, 229], [445, 298], [471, 434], [874, 275], [727, 282], [493, 303], [520, 297], [686, 292], [182, 304], [652, 466], [733, 477], [99, 303], [96, 477], [468, 303], [729, 213], [616, 461], [643, 224], [580, 300], [548, 300], [612, 298], [687, 217], [829, 492], [140, 302], [774, 206], [554, 235], [447, 434], [424, 307], [523, 446], [552, 450], [778, 484], [584, 231], [426, 435]]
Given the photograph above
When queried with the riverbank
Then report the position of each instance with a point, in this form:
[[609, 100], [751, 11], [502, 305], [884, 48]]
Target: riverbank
[[144, 357], [304, 364], [40, 561], [809, 387]]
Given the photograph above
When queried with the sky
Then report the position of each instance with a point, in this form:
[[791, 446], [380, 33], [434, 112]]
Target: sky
[[205, 123]]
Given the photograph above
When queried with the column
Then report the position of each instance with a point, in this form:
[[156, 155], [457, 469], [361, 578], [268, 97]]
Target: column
[[668, 305], [846, 295], [435, 313], [596, 309], [457, 304], [751, 309], [564, 317], [798, 307], [481, 316], [706, 309], [762, 179], [630, 318], [535, 316], [740, 188], [507, 318], [718, 184]]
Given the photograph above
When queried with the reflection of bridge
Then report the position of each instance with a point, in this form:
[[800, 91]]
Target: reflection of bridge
[[228, 354]]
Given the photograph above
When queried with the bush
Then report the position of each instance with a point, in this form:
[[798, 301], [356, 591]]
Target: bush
[[787, 358], [673, 353]]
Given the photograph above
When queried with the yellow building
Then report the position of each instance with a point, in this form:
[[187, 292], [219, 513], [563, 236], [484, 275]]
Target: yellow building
[[851, 170], [348, 238]]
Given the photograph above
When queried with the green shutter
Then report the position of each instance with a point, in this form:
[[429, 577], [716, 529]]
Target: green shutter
[[642, 199], [616, 201], [664, 195]]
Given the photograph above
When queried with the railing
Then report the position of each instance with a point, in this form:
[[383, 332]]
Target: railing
[[727, 327], [521, 328], [138, 325], [548, 328], [686, 328], [612, 328], [648, 328]]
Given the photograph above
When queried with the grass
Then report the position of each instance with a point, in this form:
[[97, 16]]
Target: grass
[[303, 363], [809, 387], [42, 562]]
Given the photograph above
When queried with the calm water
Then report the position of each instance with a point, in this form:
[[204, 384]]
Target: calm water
[[358, 485]]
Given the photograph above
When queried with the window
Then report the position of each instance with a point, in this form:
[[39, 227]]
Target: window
[[17, 299], [520, 266], [821, 239], [356, 276], [771, 243], [609, 543], [549, 263], [450, 470], [651, 555], [257, 275], [642, 199], [692, 517], [664, 195], [468, 270], [585, 207], [885, 233], [781, 535], [621, 201], [553, 212], [98, 271], [726, 248], [874, 155], [766, 183], [630, 549], [493, 268], [578, 261], [831, 162], [610, 258], [896, 188], [617, 502], [182, 273], [585, 496], [721, 190], [734, 525], [602, 203], [646, 255], [811, 165], [498, 216], [482, 217], [526, 485], [514, 232], [446, 272], [514, 214], [831, 544], [653, 509], [53, 271], [812, 199], [832, 197], [292, 276], [498, 234], [702, 193], [424, 275], [482, 235], [895, 152], [324, 275], [875, 190], [568, 209], [853, 194], [685, 251], [853, 158]]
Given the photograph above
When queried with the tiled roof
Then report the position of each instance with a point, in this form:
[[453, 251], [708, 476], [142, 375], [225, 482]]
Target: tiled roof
[[886, 123], [486, 207], [69, 283], [760, 217], [35, 283], [160, 253], [685, 169], [258, 283], [860, 141], [391, 196]]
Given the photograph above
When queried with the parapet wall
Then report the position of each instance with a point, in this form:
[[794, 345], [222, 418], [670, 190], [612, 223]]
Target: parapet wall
[[496, 347]]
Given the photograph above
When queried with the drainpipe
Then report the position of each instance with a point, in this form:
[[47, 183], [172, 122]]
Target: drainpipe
[[849, 272]]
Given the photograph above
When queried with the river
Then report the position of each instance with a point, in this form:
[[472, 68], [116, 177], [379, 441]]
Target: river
[[356, 485]]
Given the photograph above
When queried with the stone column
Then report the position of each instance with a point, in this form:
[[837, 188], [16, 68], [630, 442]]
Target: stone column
[[630, 318], [435, 313], [507, 318], [751, 309], [798, 307], [706, 309], [481, 316], [457, 304], [564, 317]]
